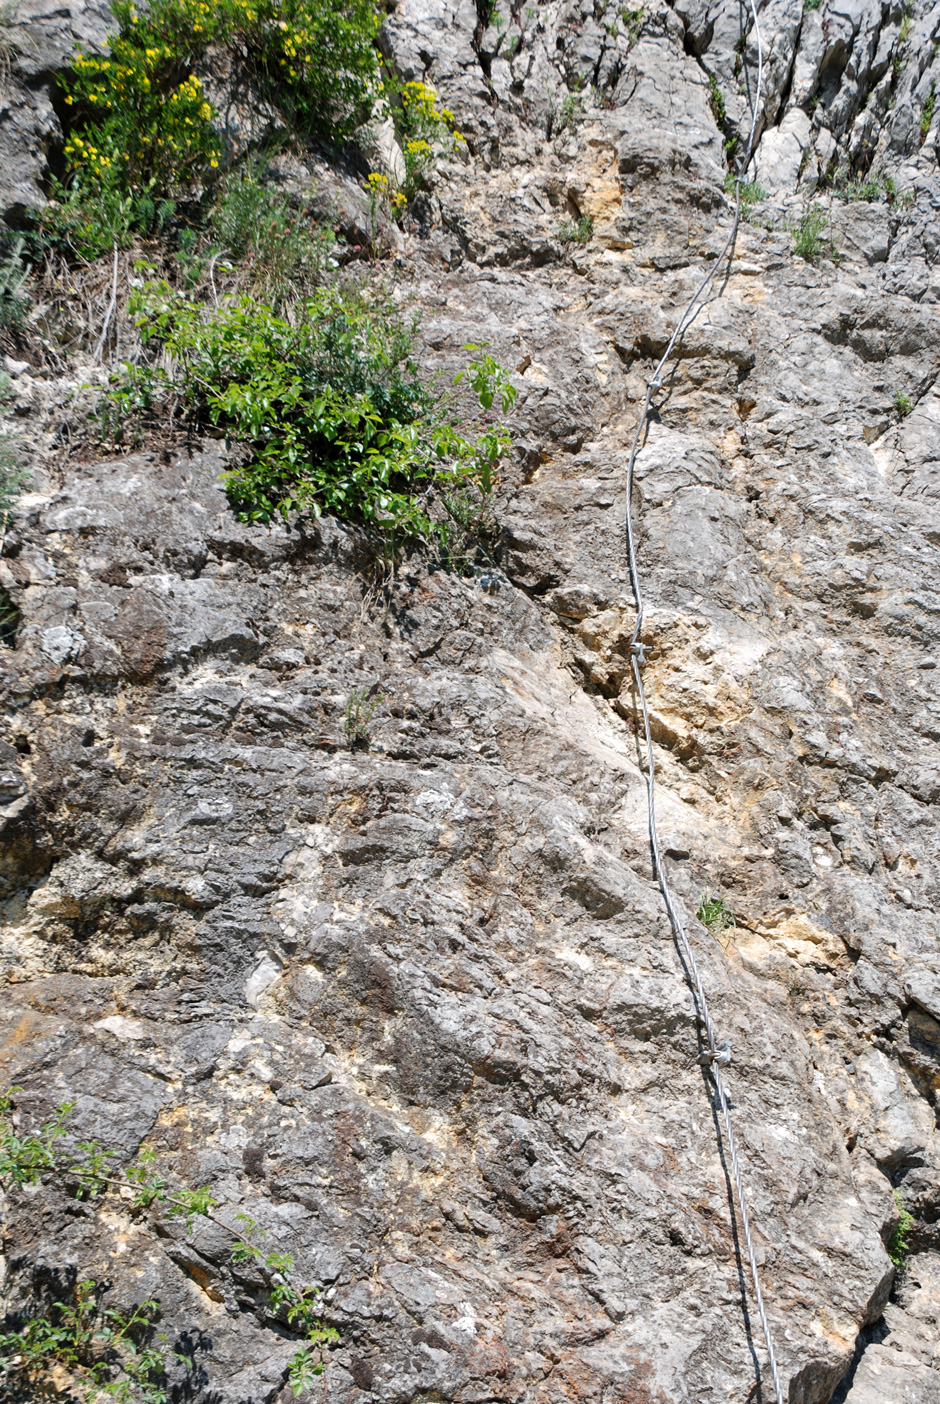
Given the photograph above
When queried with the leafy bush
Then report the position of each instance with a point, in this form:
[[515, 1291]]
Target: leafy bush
[[902, 403], [140, 125], [871, 188], [715, 101], [87, 221], [142, 132], [633, 22], [14, 478], [906, 22], [103, 1350], [330, 403], [899, 1242]]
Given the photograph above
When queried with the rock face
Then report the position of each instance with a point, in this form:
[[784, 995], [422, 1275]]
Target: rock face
[[415, 1006]]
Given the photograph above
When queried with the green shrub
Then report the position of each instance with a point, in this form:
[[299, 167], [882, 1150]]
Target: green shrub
[[103, 1350], [14, 479], [576, 231], [562, 115], [633, 21], [87, 220], [809, 5], [142, 134], [875, 185], [330, 403], [902, 403], [142, 122], [899, 1242]]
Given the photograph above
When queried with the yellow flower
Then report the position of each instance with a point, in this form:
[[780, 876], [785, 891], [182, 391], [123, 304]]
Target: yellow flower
[[214, 164]]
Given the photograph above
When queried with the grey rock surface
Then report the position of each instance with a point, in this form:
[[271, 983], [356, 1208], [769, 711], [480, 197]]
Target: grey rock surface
[[416, 1006]]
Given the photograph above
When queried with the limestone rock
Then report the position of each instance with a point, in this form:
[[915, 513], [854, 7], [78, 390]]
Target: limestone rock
[[415, 1006]]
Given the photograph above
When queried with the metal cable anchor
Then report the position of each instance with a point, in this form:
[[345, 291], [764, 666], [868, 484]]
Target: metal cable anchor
[[638, 651], [720, 1055]]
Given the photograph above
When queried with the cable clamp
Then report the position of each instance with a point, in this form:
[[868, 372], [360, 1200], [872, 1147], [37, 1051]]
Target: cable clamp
[[720, 1055], [656, 383], [638, 651]]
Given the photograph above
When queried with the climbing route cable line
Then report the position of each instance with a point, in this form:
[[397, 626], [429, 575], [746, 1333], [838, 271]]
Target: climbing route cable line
[[717, 1055]]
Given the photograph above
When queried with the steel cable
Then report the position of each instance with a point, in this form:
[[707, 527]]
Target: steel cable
[[716, 1055]]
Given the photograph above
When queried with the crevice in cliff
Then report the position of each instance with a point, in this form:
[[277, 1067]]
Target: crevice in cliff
[[869, 1335]]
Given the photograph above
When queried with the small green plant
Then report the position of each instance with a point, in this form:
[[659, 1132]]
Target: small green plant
[[14, 288], [926, 116], [423, 128], [576, 231], [85, 220], [899, 1242], [14, 478], [360, 709], [487, 378], [870, 189], [751, 193], [282, 253], [633, 23], [106, 1350], [298, 1305], [809, 236], [385, 202], [715, 914], [903, 404], [569, 111], [9, 620], [561, 115], [716, 101], [810, 5], [796, 986], [906, 23]]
